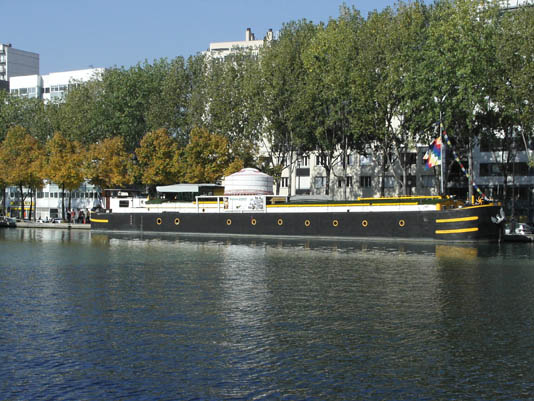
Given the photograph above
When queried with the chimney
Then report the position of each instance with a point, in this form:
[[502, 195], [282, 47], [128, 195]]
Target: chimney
[[269, 36], [248, 35]]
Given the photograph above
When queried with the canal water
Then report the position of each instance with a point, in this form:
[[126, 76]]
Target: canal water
[[87, 316]]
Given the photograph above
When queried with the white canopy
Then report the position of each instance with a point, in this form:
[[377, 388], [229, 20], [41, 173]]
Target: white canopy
[[179, 188]]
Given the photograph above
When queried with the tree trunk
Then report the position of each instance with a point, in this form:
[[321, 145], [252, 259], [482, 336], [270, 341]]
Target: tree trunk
[[31, 208], [4, 201], [328, 171], [404, 175], [290, 171], [63, 202], [21, 203]]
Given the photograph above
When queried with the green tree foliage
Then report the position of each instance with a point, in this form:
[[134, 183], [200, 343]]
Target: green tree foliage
[[279, 108], [167, 106], [223, 101], [30, 113], [329, 59]]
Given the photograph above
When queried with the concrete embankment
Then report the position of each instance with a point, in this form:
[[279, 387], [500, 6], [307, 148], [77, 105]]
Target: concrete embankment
[[65, 226]]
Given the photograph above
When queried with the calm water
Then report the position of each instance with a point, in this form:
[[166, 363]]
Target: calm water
[[96, 317]]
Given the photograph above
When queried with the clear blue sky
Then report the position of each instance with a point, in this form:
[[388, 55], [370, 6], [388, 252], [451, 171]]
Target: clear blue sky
[[76, 34]]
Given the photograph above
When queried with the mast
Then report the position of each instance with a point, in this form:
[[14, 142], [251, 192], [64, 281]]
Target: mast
[[443, 161]]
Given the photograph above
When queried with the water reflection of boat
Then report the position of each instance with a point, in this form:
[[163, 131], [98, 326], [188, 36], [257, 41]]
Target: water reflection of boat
[[456, 252]]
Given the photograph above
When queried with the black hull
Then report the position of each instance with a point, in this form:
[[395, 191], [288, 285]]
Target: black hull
[[466, 224]]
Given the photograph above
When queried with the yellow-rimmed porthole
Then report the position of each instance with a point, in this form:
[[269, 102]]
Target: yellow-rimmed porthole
[[335, 223], [177, 221], [365, 223], [228, 222], [307, 223], [402, 223], [158, 221], [280, 222], [253, 222]]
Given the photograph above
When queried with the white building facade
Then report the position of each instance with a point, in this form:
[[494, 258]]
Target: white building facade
[[53, 86], [223, 49]]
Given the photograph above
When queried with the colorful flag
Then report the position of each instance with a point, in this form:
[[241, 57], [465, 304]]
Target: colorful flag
[[433, 154]]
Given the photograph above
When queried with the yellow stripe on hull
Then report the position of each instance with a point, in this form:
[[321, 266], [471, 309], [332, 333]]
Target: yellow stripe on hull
[[345, 204], [470, 218], [457, 231], [99, 221]]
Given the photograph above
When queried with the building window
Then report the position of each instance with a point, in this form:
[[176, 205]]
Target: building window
[[284, 182], [347, 180], [365, 160], [350, 160], [304, 161], [365, 181], [320, 160], [490, 170], [124, 203], [319, 182]]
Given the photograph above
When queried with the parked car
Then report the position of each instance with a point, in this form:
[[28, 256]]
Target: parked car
[[518, 229]]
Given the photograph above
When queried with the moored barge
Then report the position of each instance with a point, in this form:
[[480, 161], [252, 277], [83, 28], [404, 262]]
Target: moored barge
[[213, 209]]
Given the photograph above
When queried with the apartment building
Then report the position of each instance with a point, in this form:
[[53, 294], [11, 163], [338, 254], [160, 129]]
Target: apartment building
[[223, 49], [15, 62], [53, 86]]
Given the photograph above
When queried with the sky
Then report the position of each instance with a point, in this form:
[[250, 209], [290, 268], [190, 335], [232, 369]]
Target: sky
[[78, 34]]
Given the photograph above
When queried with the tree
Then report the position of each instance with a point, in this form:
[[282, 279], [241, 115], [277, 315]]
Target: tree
[[108, 164], [81, 116], [208, 157], [328, 60], [157, 159], [460, 58], [222, 101], [374, 87], [30, 113], [278, 106], [64, 165], [167, 108], [20, 159]]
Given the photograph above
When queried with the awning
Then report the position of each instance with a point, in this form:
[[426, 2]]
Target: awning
[[179, 188]]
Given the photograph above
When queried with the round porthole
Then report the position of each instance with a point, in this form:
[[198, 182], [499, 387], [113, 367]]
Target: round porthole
[[335, 223], [253, 222], [365, 223], [402, 223], [228, 222], [307, 223], [280, 222], [158, 221], [177, 221]]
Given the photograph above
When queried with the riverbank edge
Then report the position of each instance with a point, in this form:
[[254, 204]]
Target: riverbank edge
[[64, 226]]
